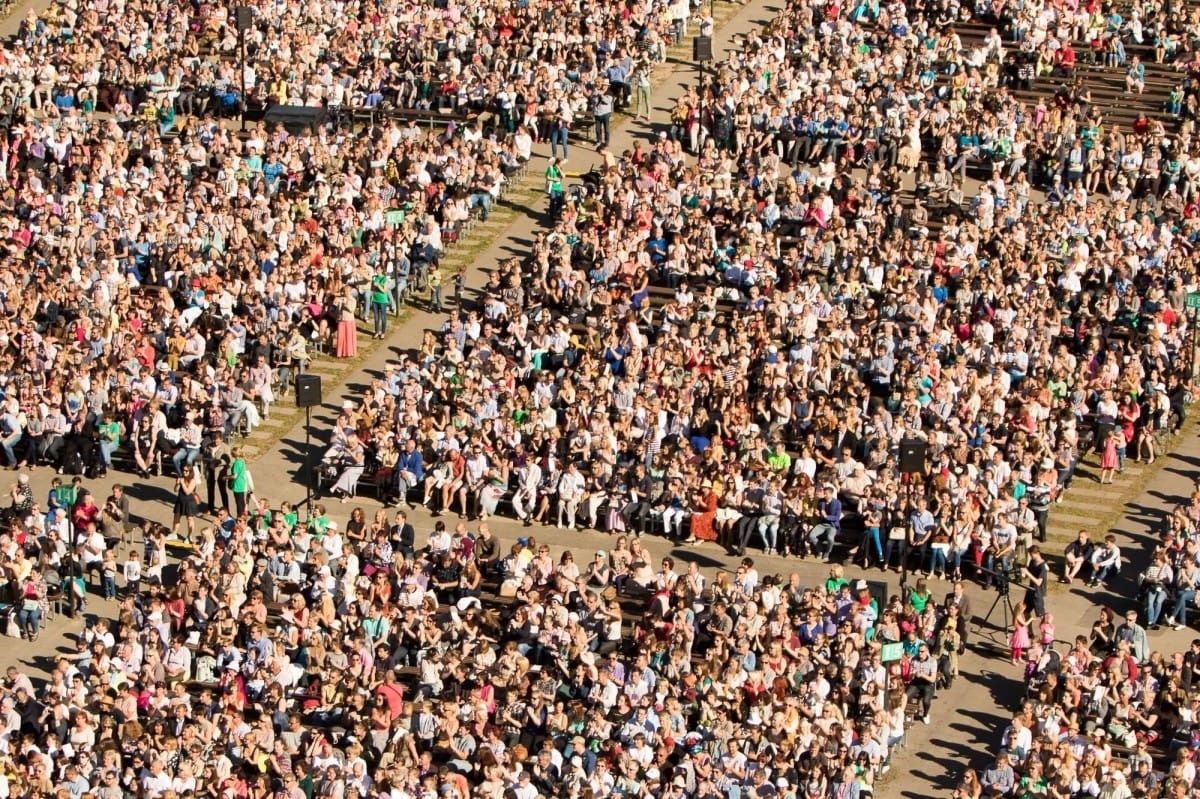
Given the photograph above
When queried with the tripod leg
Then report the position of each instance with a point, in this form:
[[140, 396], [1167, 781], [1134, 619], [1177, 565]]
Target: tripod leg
[[988, 616]]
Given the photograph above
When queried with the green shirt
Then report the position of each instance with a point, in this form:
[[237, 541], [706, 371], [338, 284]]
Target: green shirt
[[554, 177], [779, 462], [834, 584], [110, 432], [238, 472], [379, 289]]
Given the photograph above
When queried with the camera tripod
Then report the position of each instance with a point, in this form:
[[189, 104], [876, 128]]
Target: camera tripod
[[1004, 601]]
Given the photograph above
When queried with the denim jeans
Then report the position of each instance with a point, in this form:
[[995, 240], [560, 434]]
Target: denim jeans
[[187, 455], [937, 559], [826, 531], [895, 545], [768, 531], [1182, 597], [9, 443], [870, 546], [1156, 597], [603, 131], [379, 317], [956, 556], [558, 136], [107, 448], [29, 620], [481, 200]]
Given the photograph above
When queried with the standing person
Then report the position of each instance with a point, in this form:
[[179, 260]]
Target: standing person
[[347, 329], [1018, 642], [238, 480], [29, 614], [187, 503], [132, 571], [601, 115], [704, 511], [641, 81], [435, 289], [959, 598], [217, 459], [1036, 574], [554, 187], [379, 301], [1108, 460]]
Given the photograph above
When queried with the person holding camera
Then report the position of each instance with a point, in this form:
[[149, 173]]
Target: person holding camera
[[116, 518]]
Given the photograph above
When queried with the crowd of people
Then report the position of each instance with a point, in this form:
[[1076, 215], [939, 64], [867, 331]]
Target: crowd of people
[[746, 330], [295, 656], [1108, 717]]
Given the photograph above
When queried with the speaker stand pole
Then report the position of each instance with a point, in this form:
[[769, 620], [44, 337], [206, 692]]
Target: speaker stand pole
[[308, 475], [242, 70]]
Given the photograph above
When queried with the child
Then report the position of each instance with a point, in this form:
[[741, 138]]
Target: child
[[133, 574], [154, 570], [1019, 641], [108, 575], [1046, 630]]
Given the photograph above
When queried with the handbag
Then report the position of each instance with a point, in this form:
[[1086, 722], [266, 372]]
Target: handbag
[[31, 603]]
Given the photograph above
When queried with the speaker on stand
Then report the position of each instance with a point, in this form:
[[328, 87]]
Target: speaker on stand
[[912, 456], [701, 55], [308, 391], [243, 17], [308, 396]]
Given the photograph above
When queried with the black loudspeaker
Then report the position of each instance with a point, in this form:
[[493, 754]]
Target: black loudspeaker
[[308, 391], [244, 18], [878, 589], [702, 48], [912, 455], [296, 119]]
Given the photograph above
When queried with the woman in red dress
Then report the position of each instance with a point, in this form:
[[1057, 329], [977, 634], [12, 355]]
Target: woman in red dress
[[704, 510]]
